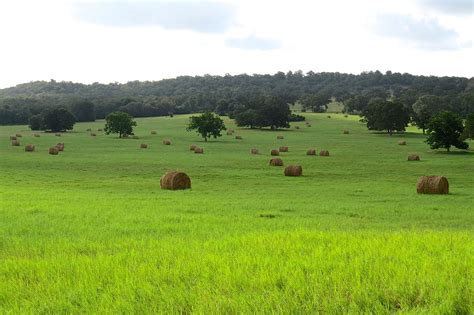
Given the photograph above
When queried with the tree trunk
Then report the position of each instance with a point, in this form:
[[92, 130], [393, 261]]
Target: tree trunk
[[205, 139], [423, 130]]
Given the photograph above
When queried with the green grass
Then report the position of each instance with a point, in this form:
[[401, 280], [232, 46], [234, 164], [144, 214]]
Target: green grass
[[90, 230]]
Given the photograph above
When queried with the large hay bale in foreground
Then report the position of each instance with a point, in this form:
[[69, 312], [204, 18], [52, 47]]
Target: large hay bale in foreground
[[283, 149], [175, 181], [324, 153], [293, 170], [275, 152], [29, 148], [12, 138], [238, 137], [60, 146], [15, 143], [276, 162], [53, 151], [402, 142], [36, 135], [413, 157], [432, 185], [346, 132], [199, 150], [280, 137], [253, 151], [311, 152], [143, 146], [167, 142], [192, 147], [153, 132]]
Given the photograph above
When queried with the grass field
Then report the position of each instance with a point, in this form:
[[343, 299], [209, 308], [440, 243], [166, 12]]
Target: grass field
[[90, 230]]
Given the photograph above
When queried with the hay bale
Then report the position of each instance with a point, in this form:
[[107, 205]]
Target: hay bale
[[324, 153], [99, 129], [153, 132], [93, 134], [18, 135], [199, 150], [166, 142], [53, 151], [311, 152], [308, 125], [238, 137], [29, 148], [279, 137], [329, 116], [283, 149], [432, 185], [60, 146], [15, 143], [276, 162], [230, 133], [297, 127], [192, 147], [175, 181], [346, 115], [57, 134], [346, 132], [293, 170], [143, 146], [231, 130], [88, 129], [12, 138], [402, 142], [36, 135], [275, 152], [413, 157], [253, 151]]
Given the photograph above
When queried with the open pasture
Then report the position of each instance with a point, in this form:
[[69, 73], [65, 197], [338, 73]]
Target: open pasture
[[90, 231]]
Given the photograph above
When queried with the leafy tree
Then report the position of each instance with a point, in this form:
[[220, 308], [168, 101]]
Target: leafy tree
[[119, 122], [386, 115], [469, 127], [424, 109], [445, 130], [248, 118], [316, 102], [83, 110], [207, 125], [58, 119], [36, 122]]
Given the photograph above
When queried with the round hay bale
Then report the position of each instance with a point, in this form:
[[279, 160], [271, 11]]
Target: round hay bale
[[199, 150], [432, 185], [99, 129], [167, 142], [293, 170], [276, 162], [346, 132], [57, 134], [275, 152], [15, 143], [230, 133], [280, 137], [346, 115], [253, 151], [153, 132], [60, 146], [238, 137], [93, 134], [88, 129], [283, 149], [18, 135], [413, 157], [192, 147], [324, 153], [329, 116], [308, 125], [29, 148], [175, 181], [36, 135], [53, 151], [12, 138], [143, 146], [311, 152], [402, 142], [297, 127]]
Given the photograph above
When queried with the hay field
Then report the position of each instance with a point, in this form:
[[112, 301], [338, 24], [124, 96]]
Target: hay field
[[90, 230]]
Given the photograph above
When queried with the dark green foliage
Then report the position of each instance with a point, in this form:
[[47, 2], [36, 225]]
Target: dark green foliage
[[58, 119], [468, 132], [261, 111], [386, 115], [119, 122], [83, 110], [425, 108], [207, 125], [315, 102], [445, 130], [36, 122], [296, 117]]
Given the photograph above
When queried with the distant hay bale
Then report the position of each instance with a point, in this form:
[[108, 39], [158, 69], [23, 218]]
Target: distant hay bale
[[329, 116], [346, 132], [99, 129], [253, 151], [306, 122], [275, 152], [29, 148], [293, 170], [18, 135], [297, 127], [88, 129], [192, 147], [231, 130], [238, 137], [308, 125], [230, 133], [166, 142], [311, 152], [199, 150], [12, 138], [15, 143], [402, 142], [276, 162], [175, 181], [283, 149], [324, 153], [36, 135], [143, 146], [60, 146], [53, 151], [93, 134], [153, 132], [57, 134], [432, 185], [280, 137], [346, 115], [413, 157]]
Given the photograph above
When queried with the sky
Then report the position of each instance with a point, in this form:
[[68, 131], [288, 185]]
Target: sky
[[123, 40]]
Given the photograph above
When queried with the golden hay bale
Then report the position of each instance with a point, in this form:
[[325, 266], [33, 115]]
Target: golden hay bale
[[53, 151], [93, 134], [413, 157], [276, 162], [324, 153], [37, 135], [12, 138], [166, 142], [253, 151], [18, 135], [402, 142], [279, 137], [199, 150], [175, 181], [283, 149], [192, 147], [293, 170], [143, 146], [238, 137], [311, 152], [60, 146], [153, 132], [15, 143], [29, 148], [432, 185], [57, 134], [275, 152], [346, 132]]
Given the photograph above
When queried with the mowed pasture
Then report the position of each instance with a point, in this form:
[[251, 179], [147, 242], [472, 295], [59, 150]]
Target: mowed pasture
[[90, 231]]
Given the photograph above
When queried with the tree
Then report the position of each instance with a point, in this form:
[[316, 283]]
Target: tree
[[316, 102], [36, 122], [207, 125], [424, 109], [58, 119], [386, 115], [83, 110], [119, 122], [445, 130], [469, 127]]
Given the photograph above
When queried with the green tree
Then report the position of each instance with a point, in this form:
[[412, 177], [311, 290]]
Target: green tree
[[469, 127], [58, 119], [119, 122], [445, 130], [424, 109], [386, 115], [36, 122], [83, 110], [207, 125]]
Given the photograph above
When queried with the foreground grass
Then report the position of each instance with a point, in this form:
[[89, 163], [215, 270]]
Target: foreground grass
[[90, 230]]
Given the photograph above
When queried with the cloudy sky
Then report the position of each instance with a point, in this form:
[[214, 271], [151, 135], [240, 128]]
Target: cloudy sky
[[123, 40]]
